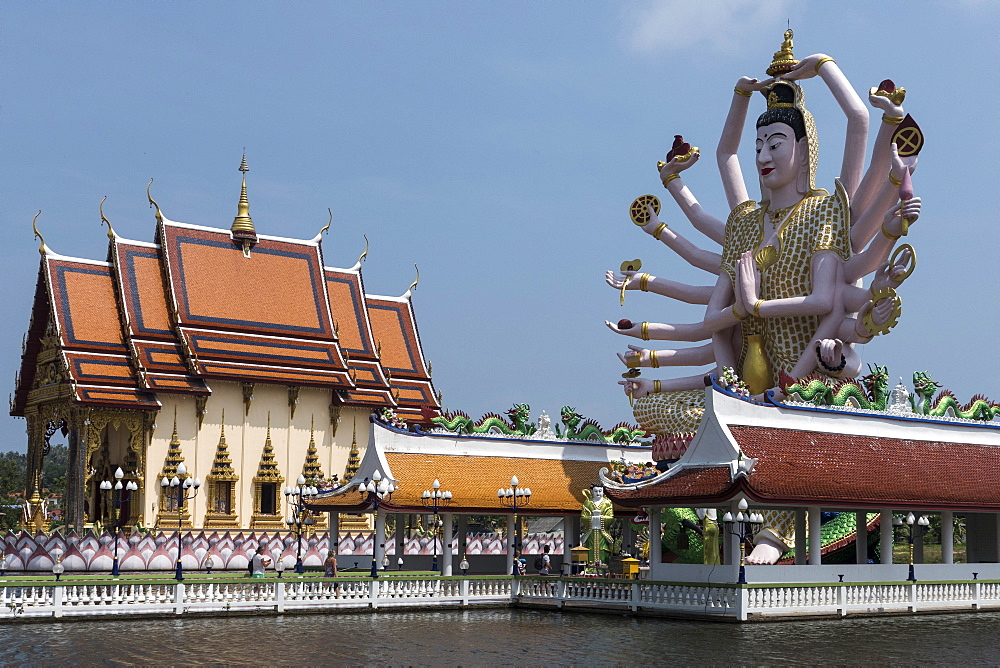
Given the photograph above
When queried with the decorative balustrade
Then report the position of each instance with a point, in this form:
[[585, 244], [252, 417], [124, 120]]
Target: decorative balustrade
[[759, 600], [208, 595]]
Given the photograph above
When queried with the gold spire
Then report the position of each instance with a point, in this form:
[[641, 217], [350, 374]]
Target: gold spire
[[783, 60], [152, 202], [312, 470], [354, 456], [222, 466], [242, 224]]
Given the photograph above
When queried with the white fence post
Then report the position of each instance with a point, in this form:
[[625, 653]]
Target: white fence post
[[635, 597], [279, 596], [463, 589], [373, 593], [742, 603], [57, 597], [179, 598]]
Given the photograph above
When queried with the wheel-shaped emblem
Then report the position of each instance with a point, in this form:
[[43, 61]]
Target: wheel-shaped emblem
[[639, 211]]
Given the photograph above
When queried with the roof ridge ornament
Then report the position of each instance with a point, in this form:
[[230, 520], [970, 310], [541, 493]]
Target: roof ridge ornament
[[242, 229], [152, 202], [319, 235], [42, 248], [361, 258], [413, 285], [112, 235]]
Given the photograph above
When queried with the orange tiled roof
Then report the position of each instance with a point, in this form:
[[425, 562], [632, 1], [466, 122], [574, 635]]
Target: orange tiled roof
[[556, 486]]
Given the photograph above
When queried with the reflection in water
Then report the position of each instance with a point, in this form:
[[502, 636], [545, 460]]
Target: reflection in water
[[502, 637]]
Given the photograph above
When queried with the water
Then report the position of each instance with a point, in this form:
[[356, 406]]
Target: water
[[503, 637]]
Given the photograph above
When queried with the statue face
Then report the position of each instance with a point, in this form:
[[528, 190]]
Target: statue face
[[779, 157], [598, 494]]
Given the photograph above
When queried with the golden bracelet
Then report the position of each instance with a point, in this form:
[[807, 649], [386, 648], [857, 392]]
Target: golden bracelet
[[822, 61], [644, 282], [736, 314], [657, 387], [744, 93], [644, 331], [670, 177], [892, 120], [887, 235], [659, 230], [894, 181], [756, 308], [653, 361]]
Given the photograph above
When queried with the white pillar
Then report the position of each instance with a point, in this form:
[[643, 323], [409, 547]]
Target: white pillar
[[511, 534], [463, 535], [815, 537], [885, 535], [378, 549], [449, 539], [655, 540], [947, 537], [800, 537], [861, 537]]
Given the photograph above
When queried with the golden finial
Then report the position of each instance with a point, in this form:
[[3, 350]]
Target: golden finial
[[783, 60], [111, 230], [312, 430], [152, 202], [223, 437], [174, 439], [269, 425], [242, 222], [329, 222], [38, 235]]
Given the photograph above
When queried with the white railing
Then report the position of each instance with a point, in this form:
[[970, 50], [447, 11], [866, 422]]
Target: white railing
[[69, 599], [759, 600]]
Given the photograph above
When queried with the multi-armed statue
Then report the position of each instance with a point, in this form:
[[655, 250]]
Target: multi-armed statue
[[788, 300]]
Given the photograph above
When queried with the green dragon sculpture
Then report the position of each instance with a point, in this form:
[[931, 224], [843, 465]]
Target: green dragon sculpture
[[579, 428], [871, 393], [461, 423], [978, 408]]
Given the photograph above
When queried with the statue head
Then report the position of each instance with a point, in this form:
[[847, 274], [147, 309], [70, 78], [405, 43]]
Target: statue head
[[794, 153], [598, 491]]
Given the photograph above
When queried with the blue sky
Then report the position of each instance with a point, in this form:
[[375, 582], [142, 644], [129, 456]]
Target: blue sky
[[496, 145]]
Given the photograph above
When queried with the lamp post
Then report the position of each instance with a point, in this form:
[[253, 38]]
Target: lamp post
[[464, 565], [922, 522], [57, 568], [434, 498], [301, 515], [209, 564], [743, 526], [118, 499], [182, 483], [514, 497], [279, 567], [377, 490]]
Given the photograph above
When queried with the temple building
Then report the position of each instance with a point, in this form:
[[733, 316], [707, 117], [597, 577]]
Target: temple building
[[240, 355]]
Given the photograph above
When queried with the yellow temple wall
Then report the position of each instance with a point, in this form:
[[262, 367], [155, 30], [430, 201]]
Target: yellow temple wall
[[246, 432]]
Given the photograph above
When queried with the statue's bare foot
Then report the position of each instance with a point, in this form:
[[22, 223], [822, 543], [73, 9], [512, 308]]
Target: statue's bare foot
[[766, 552]]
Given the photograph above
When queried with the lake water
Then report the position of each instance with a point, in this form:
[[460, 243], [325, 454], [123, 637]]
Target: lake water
[[503, 637]]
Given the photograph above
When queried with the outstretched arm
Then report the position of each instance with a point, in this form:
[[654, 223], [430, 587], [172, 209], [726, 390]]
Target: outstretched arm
[[691, 294], [878, 250], [640, 387], [865, 226], [729, 143], [892, 115], [696, 257], [696, 356], [857, 115], [709, 225], [658, 331]]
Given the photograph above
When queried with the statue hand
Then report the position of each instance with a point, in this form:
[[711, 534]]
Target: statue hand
[[886, 105], [750, 85], [830, 351], [634, 356], [615, 281], [637, 387], [892, 275], [897, 164], [748, 282], [635, 330], [806, 69], [893, 221], [676, 167]]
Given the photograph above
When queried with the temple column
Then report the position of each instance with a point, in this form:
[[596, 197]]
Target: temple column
[[334, 533], [628, 539], [815, 537], [947, 537], [399, 538], [655, 540], [918, 543], [571, 532], [449, 539], [75, 492], [861, 537], [511, 539], [800, 536], [885, 535], [378, 548]]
